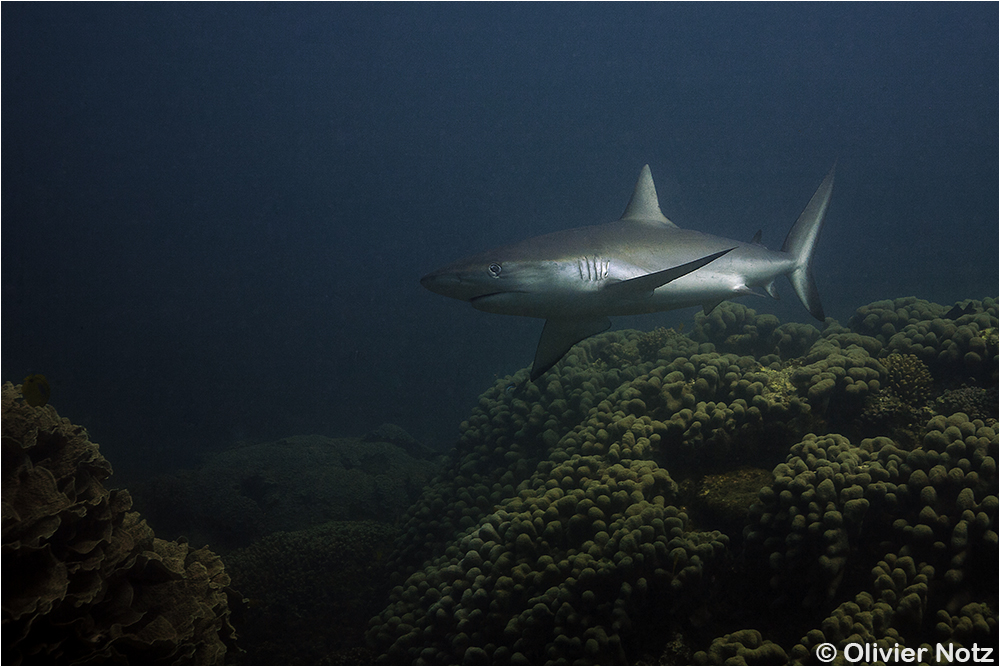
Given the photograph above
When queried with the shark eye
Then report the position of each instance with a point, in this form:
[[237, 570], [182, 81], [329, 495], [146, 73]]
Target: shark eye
[[495, 270]]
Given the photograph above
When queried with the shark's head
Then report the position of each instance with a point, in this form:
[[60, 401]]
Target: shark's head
[[493, 282]]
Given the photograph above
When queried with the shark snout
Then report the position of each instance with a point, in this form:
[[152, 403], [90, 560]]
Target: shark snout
[[450, 284], [428, 281], [438, 282]]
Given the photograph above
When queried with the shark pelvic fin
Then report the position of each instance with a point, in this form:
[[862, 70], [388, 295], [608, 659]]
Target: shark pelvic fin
[[644, 205], [644, 285], [558, 336]]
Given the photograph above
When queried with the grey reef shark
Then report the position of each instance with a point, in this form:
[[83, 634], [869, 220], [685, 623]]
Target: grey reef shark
[[641, 263]]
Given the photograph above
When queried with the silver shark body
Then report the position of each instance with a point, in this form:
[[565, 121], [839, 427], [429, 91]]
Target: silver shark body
[[640, 263]]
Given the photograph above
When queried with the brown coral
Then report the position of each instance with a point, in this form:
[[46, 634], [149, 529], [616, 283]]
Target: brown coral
[[89, 582]]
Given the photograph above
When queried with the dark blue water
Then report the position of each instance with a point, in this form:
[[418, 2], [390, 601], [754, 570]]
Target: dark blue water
[[215, 217]]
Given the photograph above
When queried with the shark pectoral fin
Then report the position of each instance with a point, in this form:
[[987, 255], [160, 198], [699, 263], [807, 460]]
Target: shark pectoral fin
[[649, 282], [558, 336], [709, 306]]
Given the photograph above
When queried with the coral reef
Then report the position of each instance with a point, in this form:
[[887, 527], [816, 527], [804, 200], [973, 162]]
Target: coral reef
[[743, 647], [739, 495], [908, 378], [288, 485], [952, 348], [735, 328], [977, 402], [87, 580], [398, 436], [306, 525], [556, 533], [310, 592], [724, 500], [833, 501]]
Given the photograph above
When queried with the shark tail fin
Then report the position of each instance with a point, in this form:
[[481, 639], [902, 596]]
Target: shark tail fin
[[801, 241]]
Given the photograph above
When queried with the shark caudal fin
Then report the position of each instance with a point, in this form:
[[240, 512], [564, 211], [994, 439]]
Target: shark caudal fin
[[801, 241]]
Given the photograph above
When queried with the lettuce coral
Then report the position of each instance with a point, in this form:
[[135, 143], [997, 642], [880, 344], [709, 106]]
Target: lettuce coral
[[88, 581]]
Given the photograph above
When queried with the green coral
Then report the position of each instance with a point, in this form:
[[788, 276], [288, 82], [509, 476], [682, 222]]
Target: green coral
[[902, 400], [645, 345], [732, 327], [929, 512], [806, 524], [839, 372], [744, 647], [884, 319], [562, 569], [556, 532], [952, 349], [650, 343]]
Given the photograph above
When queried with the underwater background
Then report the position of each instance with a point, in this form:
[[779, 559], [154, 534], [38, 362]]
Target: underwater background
[[215, 218]]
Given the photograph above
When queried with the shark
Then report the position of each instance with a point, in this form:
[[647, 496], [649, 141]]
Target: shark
[[576, 279]]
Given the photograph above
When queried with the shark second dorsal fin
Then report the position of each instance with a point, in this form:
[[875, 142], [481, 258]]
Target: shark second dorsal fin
[[644, 206]]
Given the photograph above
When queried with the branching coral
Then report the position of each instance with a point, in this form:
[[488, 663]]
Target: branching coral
[[908, 378]]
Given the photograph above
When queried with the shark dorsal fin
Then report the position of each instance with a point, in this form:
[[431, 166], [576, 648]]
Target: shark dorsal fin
[[644, 206]]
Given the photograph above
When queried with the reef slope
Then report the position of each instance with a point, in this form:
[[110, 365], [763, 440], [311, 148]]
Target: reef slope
[[587, 517]]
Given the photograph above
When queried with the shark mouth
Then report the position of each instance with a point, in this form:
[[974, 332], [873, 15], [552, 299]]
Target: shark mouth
[[493, 296], [512, 302], [481, 297]]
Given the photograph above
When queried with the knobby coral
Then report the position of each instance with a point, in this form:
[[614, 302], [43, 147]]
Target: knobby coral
[[557, 534]]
